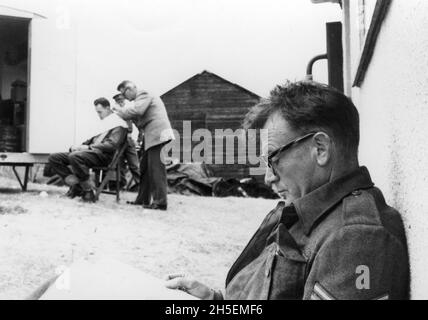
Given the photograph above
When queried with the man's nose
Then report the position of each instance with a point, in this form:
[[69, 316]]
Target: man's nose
[[270, 177]]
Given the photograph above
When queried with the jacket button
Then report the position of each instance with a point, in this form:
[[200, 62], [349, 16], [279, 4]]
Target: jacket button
[[356, 193]]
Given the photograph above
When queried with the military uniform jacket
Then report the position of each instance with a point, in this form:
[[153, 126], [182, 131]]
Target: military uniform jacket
[[108, 142], [341, 241]]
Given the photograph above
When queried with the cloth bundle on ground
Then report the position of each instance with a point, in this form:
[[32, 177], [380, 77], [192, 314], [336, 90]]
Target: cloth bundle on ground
[[198, 179]]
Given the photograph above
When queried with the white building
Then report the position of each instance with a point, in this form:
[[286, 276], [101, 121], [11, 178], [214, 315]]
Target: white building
[[385, 50], [67, 54]]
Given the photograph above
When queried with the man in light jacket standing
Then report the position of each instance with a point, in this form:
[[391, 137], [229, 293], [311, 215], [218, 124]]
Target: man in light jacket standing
[[149, 115]]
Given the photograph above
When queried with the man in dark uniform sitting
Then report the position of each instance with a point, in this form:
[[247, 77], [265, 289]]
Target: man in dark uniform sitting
[[333, 236], [94, 152]]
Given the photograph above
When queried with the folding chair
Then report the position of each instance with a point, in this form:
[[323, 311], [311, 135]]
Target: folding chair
[[112, 172]]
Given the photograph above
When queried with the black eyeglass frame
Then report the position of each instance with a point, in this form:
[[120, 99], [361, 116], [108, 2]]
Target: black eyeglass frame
[[269, 159]]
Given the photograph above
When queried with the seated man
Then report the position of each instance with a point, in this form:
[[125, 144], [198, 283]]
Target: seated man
[[131, 155], [94, 152], [333, 236]]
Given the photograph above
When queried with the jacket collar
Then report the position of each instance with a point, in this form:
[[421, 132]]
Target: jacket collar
[[315, 204]]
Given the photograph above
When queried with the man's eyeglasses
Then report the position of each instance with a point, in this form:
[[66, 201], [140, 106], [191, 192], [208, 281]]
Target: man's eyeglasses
[[273, 157], [123, 90]]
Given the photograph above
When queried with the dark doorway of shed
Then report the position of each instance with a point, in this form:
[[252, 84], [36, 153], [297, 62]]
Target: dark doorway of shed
[[13, 83]]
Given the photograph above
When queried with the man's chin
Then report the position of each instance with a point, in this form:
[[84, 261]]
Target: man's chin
[[286, 197]]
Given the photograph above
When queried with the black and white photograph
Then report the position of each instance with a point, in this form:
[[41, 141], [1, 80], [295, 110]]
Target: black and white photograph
[[188, 150]]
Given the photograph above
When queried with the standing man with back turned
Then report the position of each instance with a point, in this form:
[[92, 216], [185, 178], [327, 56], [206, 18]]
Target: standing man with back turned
[[150, 116]]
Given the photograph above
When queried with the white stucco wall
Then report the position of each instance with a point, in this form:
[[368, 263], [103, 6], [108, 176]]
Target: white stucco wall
[[393, 105], [52, 85], [79, 51]]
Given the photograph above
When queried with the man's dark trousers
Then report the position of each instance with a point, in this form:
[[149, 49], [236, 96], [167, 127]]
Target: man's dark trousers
[[153, 182], [131, 157], [80, 162]]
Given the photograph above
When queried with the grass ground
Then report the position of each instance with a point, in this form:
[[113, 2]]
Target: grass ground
[[197, 235]]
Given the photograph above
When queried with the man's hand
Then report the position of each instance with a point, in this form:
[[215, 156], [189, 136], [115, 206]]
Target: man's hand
[[189, 285], [82, 147], [117, 110]]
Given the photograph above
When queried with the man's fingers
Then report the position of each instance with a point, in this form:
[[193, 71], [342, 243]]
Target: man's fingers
[[175, 275], [177, 283], [180, 282]]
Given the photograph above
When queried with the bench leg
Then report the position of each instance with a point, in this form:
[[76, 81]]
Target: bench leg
[[27, 170], [23, 185]]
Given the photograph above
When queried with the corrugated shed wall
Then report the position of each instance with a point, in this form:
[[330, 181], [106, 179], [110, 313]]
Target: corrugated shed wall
[[206, 101]]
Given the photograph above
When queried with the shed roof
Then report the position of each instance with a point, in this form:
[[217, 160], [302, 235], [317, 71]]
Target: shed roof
[[204, 73]]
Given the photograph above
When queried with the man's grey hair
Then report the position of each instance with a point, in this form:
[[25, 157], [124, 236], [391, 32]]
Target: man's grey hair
[[125, 84]]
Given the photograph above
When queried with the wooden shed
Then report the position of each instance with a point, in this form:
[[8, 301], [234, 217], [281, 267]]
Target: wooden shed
[[208, 101]]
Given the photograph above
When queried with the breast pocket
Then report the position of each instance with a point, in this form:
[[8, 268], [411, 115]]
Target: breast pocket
[[287, 279], [277, 273]]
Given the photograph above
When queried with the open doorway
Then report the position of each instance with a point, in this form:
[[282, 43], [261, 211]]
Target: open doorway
[[13, 83]]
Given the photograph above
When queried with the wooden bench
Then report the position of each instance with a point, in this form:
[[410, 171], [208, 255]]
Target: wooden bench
[[22, 159]]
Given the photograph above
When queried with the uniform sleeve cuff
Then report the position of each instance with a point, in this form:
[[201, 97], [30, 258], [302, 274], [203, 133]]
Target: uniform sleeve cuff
[[216, 295]]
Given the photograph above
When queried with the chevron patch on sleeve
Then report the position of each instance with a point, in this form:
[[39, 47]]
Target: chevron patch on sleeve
[[320, 293], [384, 297]]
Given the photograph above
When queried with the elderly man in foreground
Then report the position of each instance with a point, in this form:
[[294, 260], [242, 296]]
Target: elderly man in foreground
[[73, 166], [333, 236]]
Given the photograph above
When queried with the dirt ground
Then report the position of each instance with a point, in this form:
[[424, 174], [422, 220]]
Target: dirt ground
[[197, 235]]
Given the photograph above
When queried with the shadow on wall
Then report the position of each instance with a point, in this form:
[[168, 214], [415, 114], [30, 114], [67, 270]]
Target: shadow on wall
[[396, 176]]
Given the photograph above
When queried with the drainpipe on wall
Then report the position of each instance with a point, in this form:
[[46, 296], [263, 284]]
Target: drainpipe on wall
[[346, 40], [334, 56], [309, 76], [346, 84]]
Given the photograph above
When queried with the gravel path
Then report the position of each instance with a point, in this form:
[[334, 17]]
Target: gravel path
[[197, 235]]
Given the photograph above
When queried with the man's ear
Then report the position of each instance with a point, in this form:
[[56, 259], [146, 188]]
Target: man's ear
[[323, 148]]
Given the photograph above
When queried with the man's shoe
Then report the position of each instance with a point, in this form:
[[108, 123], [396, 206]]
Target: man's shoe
[[155, 206], [69, 193], [89, 196], [134, 187], [74, 191], [134, 203]]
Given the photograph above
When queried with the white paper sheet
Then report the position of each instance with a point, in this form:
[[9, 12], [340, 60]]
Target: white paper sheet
[[109, 280]]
